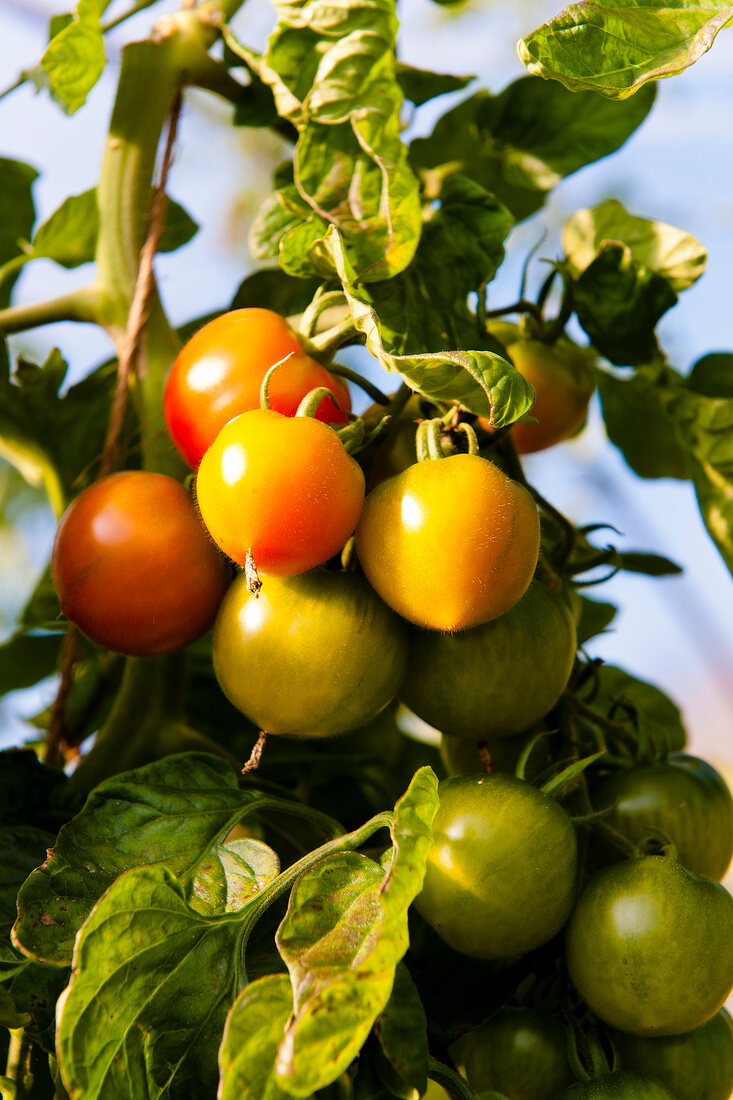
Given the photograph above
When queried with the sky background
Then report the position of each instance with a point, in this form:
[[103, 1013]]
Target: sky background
[[677, 168]]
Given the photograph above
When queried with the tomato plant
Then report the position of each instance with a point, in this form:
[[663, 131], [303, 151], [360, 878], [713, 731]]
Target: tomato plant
[[295, 630], [233, 864], [134, 568], [281, 487], [645, 927], [697, 1065], [685, 798], [501, 875], [449, 543], [519, 1052], [218, 374]]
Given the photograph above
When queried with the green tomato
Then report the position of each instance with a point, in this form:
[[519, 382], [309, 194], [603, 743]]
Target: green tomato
[[650, 946], [501, 873], [685, 797], [314, 655], [461, 757], [697, 1065], [618, 1086], [520, 1053], [497, 679]]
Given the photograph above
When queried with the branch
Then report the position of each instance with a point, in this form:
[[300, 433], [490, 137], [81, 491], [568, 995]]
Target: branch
[[78, 305]]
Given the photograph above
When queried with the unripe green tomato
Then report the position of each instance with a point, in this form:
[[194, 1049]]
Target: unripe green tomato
[[449, 543], [618, 1086], [312, 656], [697, 1065], [649, 946], [497, 679], [519, 1052], [501, 873], [461, 757], [684, 797]]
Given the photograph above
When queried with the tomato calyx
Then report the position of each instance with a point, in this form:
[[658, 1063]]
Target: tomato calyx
[[433, 436]]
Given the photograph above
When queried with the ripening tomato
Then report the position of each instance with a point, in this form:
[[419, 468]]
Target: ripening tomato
[[650, 946], [312, 656], [133, 566], [449, 543], [563, 382], [697, 1065], [218, 375], [497, 679], [501, 872], [684, 797], [282, 487], [618, 1086], [519, 1052]]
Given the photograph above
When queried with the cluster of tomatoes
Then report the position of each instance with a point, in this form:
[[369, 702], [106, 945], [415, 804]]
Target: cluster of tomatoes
[[444, 605]]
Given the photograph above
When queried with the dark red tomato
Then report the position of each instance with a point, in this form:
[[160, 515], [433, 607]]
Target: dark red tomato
[[650, 946], [218, 375], [520, 1053], [313, 656], [619, 1086], [685, 797], [282, 487], [501, 873], [697, 1065], [133, 566]]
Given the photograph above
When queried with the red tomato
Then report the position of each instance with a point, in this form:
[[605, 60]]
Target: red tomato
[[218, 375], [134, 568], [282, 487]]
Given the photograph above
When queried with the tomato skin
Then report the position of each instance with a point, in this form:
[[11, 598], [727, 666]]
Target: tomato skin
[[133, 566], [218, 375], [519, 1052], [619, 1086], [281, 486], [449, 543], [501, 874], [649, 946], [497, 679], [313, 656], [685, 797], [697, 1065]]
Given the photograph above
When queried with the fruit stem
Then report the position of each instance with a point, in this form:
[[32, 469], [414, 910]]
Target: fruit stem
[[456, 1087], [363, 383]]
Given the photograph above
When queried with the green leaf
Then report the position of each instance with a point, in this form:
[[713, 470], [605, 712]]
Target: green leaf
[[635, 411], [151, 985], [74, 59], [595, 617], [420, 85], [10, 1018], [343, 935], [31, 793], [648, 711], [619, 45], [332, 71], [27, 658], [176, 812], [23, 848], [712, 376], [481, 381], [16, 219], [401, 1031], [35, 991], [618, 301], [521, 143], [672, 253], [231, 873], [272, 289], [178, 228], [650, 565], [715, 499], [252, 1035]]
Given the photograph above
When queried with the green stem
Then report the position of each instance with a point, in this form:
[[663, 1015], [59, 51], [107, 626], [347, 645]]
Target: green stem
[[374, 392], [325, 344], [14, 265], [18, 1069], [140, 6], [77, 305], [455, 1085]]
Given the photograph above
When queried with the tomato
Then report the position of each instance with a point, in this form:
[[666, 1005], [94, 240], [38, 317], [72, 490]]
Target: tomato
[[685, 797], [697, 1065], [218, 375], [449, 543], [501, 873], [619, 1086], [282, 487], [521, 1053], [461, 757], [313, 656], [563, 383], [650, 946], [134, 568], [497, 679]]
